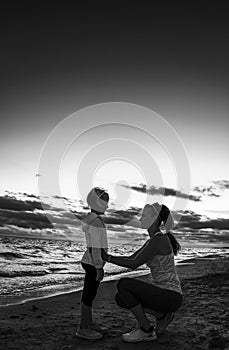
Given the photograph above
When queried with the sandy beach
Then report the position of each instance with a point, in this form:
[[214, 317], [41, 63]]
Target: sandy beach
[[201, 323]]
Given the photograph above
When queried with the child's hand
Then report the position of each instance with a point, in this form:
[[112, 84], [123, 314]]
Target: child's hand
[[104, 254], [99, 274]]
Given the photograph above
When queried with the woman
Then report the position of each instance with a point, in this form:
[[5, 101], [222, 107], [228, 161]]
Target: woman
[[163, 296]]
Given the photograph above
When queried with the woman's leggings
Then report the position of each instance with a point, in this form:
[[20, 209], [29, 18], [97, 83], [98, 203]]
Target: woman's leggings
[[132, 292], [90, 285]]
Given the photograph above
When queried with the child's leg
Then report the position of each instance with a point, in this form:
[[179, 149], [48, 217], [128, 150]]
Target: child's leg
[[86, 316], [88, 295]]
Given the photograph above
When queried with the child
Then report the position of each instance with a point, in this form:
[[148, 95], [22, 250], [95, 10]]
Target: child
[[92, 262]]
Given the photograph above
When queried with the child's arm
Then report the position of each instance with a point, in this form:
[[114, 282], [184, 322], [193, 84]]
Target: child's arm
[[97, 258]]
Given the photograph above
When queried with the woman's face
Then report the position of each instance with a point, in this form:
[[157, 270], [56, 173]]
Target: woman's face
[[148, 217]]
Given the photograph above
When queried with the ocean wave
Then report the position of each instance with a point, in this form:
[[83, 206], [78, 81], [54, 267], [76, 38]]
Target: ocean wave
[[12, 255], [12, 274], [58, 269]]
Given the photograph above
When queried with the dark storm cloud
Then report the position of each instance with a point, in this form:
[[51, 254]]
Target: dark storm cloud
[[12, 203], [113, 220], [209, 191], [194, 221], [23, 214], [222, 184], [163, 191], [214, 190], [127, 214], [112, 217], [59, 197], [24, 219], [121, 217], [116, 228], [66, 218], [28, 195]]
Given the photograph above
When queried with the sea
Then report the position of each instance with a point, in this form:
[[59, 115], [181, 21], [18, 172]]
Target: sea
[[36, 268]]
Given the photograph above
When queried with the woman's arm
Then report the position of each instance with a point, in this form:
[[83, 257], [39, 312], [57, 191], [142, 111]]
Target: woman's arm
[[138, 251], [145, 254]]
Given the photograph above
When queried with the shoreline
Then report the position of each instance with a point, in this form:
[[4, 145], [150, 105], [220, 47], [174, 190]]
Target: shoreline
[[68, 290], [77, 289], [18, 291], [51, 323]]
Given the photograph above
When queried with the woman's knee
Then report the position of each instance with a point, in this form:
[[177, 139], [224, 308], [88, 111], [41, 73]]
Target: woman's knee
[[123, 284], [119, 301], [177, 302]]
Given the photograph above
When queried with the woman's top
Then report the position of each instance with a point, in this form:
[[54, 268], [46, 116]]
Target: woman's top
[[164, 273], [96, 238]]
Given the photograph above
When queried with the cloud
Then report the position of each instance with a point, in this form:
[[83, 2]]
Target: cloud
[[27, 214], [209, 191], [24, 219], [192, 220], [163, 191], [116, 228], [24, 194], [67, 218], [24, 214], [223, 184], [12, 203], [214, 190], [60, 197], [60, 233], [28, 217]]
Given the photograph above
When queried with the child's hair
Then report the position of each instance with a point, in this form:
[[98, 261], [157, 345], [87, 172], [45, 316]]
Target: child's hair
[[166, 218], [102, 194]]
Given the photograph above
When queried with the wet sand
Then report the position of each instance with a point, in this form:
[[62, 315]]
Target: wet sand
[[202, 322]]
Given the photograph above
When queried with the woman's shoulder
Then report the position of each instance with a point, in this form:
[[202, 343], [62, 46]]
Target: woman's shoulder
[[162, 243], [153, 241], [156, 237]]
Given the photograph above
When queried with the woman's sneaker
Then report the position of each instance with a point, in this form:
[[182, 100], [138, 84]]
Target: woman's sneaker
[[163, 322], [138, 335], [88, 333]]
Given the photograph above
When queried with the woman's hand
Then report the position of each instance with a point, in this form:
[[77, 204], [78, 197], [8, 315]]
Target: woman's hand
[[104, 255]]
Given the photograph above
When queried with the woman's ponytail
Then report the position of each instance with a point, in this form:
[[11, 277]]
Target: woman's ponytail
[[167, 219], [174, 243]]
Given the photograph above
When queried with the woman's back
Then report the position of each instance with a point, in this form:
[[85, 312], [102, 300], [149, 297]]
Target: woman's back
[[162, 266]]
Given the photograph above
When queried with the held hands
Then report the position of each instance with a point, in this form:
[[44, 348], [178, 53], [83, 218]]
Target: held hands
[[99, 274], [104, 255]]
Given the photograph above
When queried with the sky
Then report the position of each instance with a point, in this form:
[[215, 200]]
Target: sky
[[171, 60]]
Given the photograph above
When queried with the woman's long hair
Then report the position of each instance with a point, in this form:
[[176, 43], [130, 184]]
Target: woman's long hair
[[166, 217]]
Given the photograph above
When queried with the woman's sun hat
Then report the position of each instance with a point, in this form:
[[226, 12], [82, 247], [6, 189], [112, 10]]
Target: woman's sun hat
[[150, 213]]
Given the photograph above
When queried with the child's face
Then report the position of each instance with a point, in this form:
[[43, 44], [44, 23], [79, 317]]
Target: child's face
[[105, 206], [102, 207]]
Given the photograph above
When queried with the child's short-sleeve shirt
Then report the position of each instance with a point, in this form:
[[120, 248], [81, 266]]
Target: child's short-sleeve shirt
[[96, 238]]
